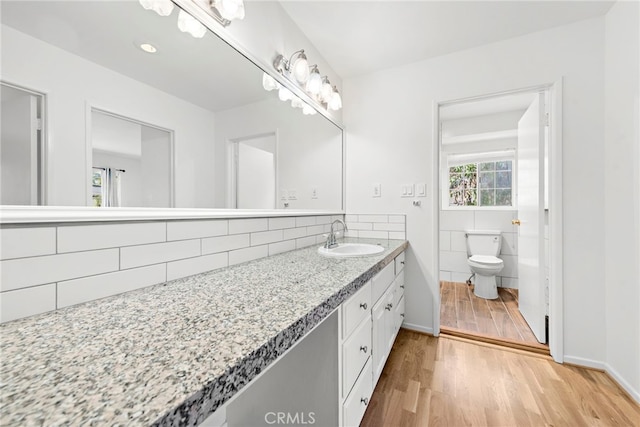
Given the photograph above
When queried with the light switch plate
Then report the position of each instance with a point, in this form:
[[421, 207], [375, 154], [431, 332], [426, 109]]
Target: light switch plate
[[284, 194], [376, 190], [406, 190], [314, 193], [421, 189], [292, 195]]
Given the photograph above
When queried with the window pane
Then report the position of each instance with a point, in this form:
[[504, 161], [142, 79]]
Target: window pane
[[488, 166], [455, 181], [503, 198], [470, 198], [470, 168], [503, 179], [456, 198], [456, 169], [487, 197], [504, 166], [487, 179]]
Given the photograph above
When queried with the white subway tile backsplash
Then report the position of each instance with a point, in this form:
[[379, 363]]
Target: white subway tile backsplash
[[76, 291], [248, 254], [294, 233], [264, 237], [183, 230], [316, 229], [280, 223], [279, 247], [352, 233], [340, 217], [445, 240], [398, 219], [373, 234], [351, 218], [137, 256], [373, 218], [305, 241], [320, 239], [397, 235], [27, 242], [305, 221], [388, 227], [27, 302], [191, 266], [25, 272], [250, 225], [225, 243], [458, 241], [324, 219], [360, 225], [74, 238]]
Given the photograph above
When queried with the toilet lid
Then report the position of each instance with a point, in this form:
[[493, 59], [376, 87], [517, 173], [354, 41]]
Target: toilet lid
[[486, 259]]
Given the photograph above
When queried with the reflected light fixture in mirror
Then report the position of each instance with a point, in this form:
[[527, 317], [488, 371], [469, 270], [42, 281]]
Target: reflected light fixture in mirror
[[223, 11], [189, 24]]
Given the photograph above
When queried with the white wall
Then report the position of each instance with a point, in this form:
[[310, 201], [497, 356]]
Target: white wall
[[621, 199], [71, 83], [389, 119], [309, 151]]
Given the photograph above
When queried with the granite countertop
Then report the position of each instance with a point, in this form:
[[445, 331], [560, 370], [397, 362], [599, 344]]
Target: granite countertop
[[170, 354]]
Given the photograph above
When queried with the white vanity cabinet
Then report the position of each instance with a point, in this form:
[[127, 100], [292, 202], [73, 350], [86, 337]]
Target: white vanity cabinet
[[370, 321]]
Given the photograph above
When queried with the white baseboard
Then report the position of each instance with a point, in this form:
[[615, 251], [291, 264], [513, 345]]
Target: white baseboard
[[587, 363], [417, 328], [635, 394]]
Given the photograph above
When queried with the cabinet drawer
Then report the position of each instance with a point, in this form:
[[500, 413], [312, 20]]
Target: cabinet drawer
[[399, 261], [356, 404], [355, 309], [355, 353], [381, 282], [399, 288]]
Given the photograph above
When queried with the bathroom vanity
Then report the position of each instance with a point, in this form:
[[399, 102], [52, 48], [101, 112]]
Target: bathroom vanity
[[174, 353]]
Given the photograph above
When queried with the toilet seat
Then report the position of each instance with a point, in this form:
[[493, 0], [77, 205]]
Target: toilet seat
[[486, 260]]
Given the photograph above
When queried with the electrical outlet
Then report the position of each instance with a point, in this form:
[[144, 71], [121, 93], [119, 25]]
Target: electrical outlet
[[376, 190]]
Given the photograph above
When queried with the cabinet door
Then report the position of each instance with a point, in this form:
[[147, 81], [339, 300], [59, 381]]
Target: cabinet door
[[398, 315], [389, 320], [379, 338]]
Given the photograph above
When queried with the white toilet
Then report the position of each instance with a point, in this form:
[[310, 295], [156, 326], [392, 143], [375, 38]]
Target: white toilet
[[483, 248]]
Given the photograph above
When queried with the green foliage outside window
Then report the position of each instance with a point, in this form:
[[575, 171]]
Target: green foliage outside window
[[481, 184]]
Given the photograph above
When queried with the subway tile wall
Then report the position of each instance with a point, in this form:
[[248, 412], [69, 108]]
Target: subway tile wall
[[377, 226], [453, 244], [43, 268]]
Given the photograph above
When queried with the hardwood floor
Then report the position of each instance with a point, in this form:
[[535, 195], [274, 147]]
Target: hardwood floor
[[463, 313], [430, 381]]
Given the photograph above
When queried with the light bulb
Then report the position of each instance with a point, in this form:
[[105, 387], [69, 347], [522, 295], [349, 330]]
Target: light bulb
[[230, 9], [269, 83], [297, 102], [300, 68], [314, 84], [161, 7], [335, 103], [284, 94], [189, 24], [326, 92]]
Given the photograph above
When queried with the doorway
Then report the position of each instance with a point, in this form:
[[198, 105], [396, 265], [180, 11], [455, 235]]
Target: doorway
[[494, 173], [253, 172], [22, 146]]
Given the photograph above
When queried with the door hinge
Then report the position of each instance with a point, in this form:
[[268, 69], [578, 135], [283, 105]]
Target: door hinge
[[546, 119], [38, 124]]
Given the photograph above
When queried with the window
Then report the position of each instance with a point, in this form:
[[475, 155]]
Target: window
[[487, 183]]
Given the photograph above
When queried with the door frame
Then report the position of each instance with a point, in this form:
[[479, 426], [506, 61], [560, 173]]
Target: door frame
[[556, 285], [232, 173]]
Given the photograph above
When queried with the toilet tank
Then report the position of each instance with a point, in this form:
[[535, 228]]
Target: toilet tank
[[483, 242]]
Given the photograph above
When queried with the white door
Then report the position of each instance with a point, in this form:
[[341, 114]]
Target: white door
[[531, 215], [19, 169], [255, 173]]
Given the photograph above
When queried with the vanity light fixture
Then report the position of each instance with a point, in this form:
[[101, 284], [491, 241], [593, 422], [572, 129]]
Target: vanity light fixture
[[335, 103], [189, 24], [314, 83], [297, 66], [161, 7], [223, 11]]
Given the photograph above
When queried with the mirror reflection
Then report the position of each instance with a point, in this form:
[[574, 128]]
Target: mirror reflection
[[114, 105]]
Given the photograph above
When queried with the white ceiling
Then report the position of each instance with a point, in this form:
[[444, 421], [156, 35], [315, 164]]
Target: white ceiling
[[358, 37]]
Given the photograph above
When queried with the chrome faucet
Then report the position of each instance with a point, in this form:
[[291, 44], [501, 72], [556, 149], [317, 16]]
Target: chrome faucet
[[331, 238]]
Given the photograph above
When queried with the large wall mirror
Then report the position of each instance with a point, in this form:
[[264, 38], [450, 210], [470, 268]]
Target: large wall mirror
[[97, 120]]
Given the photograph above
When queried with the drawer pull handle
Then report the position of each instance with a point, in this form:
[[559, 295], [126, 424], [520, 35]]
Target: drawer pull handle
[[363, 348], [389, 306], [402, 262], [365, 400], [402, 314], [363, 305], [402, 286]]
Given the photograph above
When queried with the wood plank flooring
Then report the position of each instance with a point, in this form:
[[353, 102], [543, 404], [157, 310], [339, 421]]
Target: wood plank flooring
[[461, 312], [430, 381]]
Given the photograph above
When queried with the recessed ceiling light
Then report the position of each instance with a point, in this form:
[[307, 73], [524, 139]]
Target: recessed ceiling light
[[149, 48]]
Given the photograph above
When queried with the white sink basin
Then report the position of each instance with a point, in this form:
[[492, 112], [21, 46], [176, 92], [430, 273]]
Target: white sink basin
[[349, 250]]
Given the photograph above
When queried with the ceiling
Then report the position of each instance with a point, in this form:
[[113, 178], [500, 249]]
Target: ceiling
[[358, 37]]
